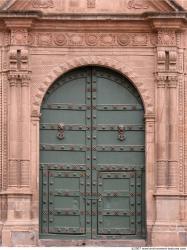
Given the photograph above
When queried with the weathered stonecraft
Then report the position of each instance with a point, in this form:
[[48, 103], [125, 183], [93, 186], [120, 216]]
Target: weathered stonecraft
[[93, 123]]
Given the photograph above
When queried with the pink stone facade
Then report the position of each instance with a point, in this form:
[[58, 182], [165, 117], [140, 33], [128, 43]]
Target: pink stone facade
[[144, 40]]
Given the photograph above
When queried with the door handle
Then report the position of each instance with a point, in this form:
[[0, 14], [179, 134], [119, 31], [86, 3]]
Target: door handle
[[121, 132], [60, 134]]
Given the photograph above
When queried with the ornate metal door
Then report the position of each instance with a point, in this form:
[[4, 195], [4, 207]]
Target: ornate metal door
[[92, 157]]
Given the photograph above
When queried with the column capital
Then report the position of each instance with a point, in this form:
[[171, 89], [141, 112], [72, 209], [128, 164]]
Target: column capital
[[161, 80], [12, 77], [25, 78], [172, 81]]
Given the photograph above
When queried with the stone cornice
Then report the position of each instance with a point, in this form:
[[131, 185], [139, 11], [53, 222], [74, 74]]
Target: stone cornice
[[19, 23], [165, 23], [153, 20], [93, 16]]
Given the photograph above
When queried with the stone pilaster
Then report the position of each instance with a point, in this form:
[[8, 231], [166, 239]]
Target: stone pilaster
[[18, 192], [172, 130], [166, 193], [162, 155]]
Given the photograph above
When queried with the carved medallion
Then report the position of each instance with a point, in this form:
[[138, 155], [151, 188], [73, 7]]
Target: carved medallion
[[76, 39], [60, 39], [123, 39], [91, 39], [44, 39], [42, 4], [140, 39], [19, 36], [138, 4], [107, 39]]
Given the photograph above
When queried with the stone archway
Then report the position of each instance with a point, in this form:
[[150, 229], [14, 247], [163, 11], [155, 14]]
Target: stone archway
[[98, 61], [92, 157], [149, 123]]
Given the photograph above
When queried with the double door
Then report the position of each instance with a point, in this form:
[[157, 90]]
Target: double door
[[92, 157]]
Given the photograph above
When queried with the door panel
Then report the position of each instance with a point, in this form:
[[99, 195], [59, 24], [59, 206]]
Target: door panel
[[118, 150], [121, 219], [65, 145], [66, 202], [92, 157]]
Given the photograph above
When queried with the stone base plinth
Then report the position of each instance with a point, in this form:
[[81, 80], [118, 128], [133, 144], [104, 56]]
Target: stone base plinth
[[169, 236], [19, 235]]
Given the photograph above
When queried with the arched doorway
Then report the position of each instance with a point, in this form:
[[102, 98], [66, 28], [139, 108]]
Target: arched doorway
[[92, 157]]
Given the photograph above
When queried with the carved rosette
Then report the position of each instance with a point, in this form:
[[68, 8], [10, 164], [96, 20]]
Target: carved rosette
[[140, 39], [123, 39], [166, 38], [92, 39], [60, 39], [80, 39], [19, 37]]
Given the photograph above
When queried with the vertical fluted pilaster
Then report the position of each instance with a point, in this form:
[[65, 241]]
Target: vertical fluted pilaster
[[172, 130], [162, 154], [13, 173], [25, 131]]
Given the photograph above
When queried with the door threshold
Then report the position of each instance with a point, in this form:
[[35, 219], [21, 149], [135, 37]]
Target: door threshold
[[104, 243]]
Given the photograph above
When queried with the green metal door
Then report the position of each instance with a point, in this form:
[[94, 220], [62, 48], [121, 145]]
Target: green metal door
[[92, 157]]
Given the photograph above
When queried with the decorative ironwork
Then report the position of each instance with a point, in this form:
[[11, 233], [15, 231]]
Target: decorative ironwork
[[88, 203], [60, 134], [121, 132]]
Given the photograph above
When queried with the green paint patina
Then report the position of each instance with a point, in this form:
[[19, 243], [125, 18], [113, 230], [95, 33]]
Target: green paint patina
[[92, 157]]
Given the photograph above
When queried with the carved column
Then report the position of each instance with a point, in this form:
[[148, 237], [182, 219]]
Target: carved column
[[167, 139], [25, 132], [13, 176], [162, 155], [172, 130], [167, 108], [19, 189]]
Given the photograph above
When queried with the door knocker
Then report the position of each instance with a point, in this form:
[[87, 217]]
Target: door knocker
[[121, 132], [60, 134]]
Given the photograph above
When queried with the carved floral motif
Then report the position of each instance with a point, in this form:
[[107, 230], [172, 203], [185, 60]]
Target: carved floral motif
[[166, 38], [19, 37], [138, 4], [45, 39], [60, 39], [140, 39], [91, 39], [76, 39], [107, 39], [42, 4], [91, 3], [123, 39]]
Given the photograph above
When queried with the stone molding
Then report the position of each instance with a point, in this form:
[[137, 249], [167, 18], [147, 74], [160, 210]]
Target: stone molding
[[90, 39], [93, 60]]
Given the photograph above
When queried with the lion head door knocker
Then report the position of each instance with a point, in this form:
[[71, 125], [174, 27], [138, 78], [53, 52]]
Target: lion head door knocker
[[121, 132], [60, 134]]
